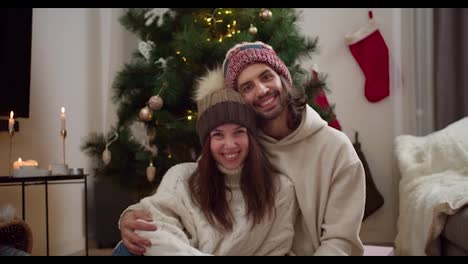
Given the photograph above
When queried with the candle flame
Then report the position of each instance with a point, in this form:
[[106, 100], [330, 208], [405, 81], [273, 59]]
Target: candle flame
[[63, 109], [20, 160], [11, 114]]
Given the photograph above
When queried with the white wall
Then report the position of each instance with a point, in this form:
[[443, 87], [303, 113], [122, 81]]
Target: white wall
[[377, 123], [75, 53]]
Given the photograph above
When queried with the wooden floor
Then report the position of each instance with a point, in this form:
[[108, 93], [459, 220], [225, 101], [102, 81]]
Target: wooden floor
[[370, 250], [94, 251]]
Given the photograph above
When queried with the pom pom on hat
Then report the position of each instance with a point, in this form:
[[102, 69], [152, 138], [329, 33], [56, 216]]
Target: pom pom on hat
[[212, 81]]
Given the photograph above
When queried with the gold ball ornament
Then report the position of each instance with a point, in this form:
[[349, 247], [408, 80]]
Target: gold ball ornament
[[265, 14], [146, 114], [253, 30], [155, 102], [150, 172]]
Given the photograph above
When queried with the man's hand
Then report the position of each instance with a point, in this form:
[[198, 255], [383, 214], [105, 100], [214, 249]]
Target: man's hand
[[129, 223]]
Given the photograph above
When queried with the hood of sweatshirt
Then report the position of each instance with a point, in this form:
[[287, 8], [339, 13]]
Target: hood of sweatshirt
[[311, 123]]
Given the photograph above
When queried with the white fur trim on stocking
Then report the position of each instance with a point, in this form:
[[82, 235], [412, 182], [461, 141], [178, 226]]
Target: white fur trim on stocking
[[361, 33]]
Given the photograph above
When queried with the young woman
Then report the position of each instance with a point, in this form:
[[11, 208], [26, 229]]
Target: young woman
[[231, 201]]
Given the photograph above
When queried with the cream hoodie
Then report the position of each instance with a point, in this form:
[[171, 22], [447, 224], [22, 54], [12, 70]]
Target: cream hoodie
[[184, 230], [329, 181]]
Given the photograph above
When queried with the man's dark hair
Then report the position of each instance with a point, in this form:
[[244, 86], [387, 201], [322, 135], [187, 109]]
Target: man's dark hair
[[297, 101]]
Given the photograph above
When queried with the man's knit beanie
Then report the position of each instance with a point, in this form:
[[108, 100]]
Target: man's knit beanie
[[246, 53], [217, 105]]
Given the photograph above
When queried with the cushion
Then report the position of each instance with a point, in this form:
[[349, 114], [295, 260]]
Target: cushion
[[455, 229]]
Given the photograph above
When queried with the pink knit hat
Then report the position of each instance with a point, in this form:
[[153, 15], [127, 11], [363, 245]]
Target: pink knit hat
[[247, 53]]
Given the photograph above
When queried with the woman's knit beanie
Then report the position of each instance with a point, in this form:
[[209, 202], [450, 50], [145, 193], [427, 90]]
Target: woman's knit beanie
[[217, 105]]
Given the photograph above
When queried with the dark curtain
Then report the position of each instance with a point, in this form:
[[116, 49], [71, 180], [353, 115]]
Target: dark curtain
[[450, 65]]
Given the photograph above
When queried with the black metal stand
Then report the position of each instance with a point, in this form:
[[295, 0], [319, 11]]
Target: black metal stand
[[47, 217]]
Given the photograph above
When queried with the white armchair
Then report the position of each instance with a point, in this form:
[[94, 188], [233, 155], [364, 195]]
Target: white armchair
[[433, 186]]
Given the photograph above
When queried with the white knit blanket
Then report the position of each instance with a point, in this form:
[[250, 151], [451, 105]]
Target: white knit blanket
[[434, 184]]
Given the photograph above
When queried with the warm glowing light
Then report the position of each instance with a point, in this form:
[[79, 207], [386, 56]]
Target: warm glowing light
[[220, 24], [62, 118], [27, 163], [11, 122]]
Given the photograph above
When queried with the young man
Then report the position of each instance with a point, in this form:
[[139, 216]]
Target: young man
[[320, 161]]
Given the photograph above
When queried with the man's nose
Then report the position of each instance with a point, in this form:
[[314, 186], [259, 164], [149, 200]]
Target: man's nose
[[261, 90]]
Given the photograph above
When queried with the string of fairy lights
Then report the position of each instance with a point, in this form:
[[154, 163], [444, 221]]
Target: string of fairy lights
[[221, 24]]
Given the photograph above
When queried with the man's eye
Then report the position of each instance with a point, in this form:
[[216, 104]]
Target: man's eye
[[267, 77], [245, 88]]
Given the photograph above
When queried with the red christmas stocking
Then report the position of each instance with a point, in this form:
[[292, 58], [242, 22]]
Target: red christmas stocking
[[371, 53], [322, 101]]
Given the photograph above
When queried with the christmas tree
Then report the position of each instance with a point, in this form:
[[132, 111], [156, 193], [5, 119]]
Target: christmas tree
[[156, 113]]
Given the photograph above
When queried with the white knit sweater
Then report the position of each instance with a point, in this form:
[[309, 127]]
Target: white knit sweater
[[184, 230]]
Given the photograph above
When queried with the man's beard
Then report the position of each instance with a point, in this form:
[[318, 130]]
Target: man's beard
[[274, 113]]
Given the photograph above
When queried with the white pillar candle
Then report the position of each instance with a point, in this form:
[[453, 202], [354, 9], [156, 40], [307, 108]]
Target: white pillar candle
[[11, 121], [62, 118]]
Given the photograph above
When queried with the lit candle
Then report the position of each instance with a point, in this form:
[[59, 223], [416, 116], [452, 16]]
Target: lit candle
[[26, 164], [62, 118], [11, 122], [17, 164]]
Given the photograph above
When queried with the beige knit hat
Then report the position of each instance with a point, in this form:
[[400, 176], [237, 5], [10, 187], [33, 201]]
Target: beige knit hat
[[217, 105]]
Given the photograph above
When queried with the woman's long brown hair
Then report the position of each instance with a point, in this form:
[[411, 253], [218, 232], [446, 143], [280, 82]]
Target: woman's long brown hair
[[258, 184]]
